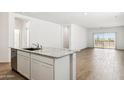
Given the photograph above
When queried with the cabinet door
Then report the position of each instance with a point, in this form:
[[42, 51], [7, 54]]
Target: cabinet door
[[41, 71], [23, 66]]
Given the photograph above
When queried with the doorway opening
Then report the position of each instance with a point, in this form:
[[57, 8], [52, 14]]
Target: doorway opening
[[105, 40], [21, 33], [66, 36]]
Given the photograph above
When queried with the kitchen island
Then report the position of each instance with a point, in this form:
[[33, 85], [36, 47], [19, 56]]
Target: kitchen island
[[46, 63]]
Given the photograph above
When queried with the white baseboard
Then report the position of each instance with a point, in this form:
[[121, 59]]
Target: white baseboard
[[78, 50], [4, 61], [119, 49]]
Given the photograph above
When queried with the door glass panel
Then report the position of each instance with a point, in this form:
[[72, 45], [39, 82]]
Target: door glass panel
[[98, 40], [105, 40]]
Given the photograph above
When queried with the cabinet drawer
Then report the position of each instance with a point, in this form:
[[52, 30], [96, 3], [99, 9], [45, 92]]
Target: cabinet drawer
[[43, 59], [23, 53]]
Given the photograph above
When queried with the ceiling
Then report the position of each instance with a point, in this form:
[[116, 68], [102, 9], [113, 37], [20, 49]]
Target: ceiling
[[86, 19]]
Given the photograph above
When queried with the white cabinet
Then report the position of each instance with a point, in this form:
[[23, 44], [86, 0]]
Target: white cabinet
[[41, 71], [47, 68], [39, 67], [62, 68], [23, 64]]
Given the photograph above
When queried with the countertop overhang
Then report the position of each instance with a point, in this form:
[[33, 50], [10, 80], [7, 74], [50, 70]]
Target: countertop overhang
[[49, 52]]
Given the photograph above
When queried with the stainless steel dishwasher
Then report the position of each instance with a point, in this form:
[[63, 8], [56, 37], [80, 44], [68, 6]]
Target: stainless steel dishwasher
[[14, 59]]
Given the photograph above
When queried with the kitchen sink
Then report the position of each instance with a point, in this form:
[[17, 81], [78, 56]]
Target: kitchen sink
[[31, 49]]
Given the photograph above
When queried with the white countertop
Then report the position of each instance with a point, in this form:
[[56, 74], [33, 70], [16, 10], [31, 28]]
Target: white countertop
[[50, 52]]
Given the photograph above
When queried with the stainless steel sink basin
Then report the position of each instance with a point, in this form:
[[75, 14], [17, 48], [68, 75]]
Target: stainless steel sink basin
[[31, 49]]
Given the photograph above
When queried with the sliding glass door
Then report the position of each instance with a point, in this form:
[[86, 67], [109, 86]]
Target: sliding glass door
[[105, 40]]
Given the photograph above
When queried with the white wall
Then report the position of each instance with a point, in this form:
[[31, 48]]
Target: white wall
[[46, 33], [118, 30], [4, 34], [78, 37]]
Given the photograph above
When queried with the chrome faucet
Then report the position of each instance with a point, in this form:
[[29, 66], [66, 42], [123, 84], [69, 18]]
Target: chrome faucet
[[37, 45]]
